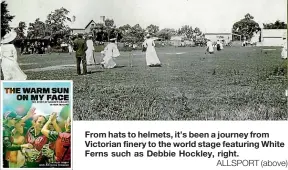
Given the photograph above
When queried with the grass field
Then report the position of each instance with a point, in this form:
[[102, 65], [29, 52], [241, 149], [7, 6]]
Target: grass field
[[234, 84]]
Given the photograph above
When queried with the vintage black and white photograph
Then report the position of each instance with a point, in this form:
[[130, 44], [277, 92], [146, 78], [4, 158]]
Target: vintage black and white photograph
[[153, 59]]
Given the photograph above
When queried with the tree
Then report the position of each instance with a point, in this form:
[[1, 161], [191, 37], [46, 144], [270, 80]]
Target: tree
[[99, 26], [106, 31], [126, 33], [197, 33], [246, 27], [56, 23], [125, 29], [131, 34], [36, 29], [277, 25], [152, 29], [99, 35], [5, 19], [137, 33], [119, 34], [187, 31], [166, 33], [109, 22], [98, 31], [20, 30]]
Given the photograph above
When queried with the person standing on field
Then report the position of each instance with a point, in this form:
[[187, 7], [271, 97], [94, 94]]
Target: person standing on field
[[80, 47], [218, 45], [152, 59], [209, 48], [90, 51], [8, 56]]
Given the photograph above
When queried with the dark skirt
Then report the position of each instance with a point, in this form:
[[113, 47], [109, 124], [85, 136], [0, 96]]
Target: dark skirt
[[218, 47]]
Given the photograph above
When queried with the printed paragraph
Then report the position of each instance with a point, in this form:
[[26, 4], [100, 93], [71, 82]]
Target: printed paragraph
[[179, 144]]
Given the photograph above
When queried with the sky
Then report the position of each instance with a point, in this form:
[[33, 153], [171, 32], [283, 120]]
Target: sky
[[208, 15]]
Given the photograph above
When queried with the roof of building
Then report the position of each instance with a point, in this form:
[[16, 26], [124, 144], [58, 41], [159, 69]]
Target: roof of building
[[80, 24]]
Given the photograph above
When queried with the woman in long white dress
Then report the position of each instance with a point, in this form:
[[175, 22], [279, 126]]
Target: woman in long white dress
[[9, 65], [89, 51], [221, 45], [209, 47], [152, 59], [110, 52], [70, 48], [254, 40]]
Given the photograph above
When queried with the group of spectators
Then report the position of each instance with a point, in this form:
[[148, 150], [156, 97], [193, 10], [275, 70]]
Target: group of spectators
[[36, 47]]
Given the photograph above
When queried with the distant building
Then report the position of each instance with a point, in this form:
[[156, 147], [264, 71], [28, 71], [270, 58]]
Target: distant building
[[227, 37], [177, 40], [80, 26], [272, 37]]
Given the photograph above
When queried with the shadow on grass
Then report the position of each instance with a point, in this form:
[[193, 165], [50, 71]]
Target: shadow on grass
[[119, 66], [94, 72]]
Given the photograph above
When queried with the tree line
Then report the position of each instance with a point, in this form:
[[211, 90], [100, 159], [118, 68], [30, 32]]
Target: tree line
[[55, 27]]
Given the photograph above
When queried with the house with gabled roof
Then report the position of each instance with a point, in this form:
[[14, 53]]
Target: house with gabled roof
[[80, 26]]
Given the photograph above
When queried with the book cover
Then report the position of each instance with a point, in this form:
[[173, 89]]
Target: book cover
[[36, 124]]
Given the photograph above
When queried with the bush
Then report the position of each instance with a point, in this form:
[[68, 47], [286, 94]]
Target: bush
[[58, 49]]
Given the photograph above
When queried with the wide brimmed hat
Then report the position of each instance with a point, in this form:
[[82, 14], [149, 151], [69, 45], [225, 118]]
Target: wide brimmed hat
[[9, 37], [112, 39]]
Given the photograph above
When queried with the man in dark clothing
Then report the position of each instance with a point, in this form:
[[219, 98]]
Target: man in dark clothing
[[22, 45], [80, 47], [8, 125]]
